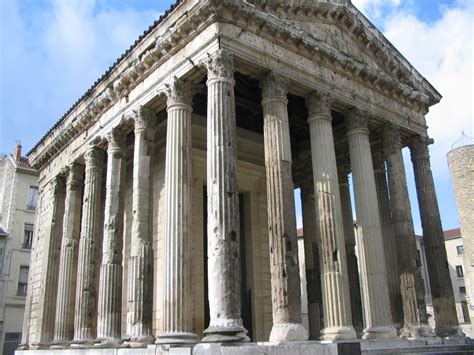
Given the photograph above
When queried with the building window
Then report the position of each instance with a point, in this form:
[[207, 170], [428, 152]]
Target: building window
[[32, 199], [22, 281], [459, 271], [27, 237], [460, 249], [462, 290]]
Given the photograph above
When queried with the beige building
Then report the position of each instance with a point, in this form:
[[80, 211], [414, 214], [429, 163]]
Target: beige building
[[18, 200], [167, 212]]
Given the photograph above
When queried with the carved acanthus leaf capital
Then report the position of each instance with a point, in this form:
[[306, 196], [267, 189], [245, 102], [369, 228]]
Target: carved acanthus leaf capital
[[356, 119], [319, 104], [116, 139], [93, 157], [419, 147], [75, 174], [59, 185], [142, 118], [391, 139], [220, 64], [274, 86], [180, 91], [378, 160]]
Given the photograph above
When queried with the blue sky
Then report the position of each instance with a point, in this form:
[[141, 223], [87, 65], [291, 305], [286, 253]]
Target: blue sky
[[53, 50]]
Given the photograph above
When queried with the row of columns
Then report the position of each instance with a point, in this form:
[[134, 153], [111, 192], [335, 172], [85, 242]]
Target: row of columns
[[327, 212]]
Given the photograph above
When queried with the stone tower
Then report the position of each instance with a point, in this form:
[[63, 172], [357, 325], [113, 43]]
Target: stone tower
[[461, 167]]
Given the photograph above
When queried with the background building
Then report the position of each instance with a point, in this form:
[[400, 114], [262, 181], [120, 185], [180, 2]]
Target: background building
[[461, 168], [18, 199]]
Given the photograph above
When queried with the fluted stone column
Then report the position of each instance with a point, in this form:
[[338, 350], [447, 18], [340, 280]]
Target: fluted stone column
[[374, 277], [140, 261], [178, 295], [350, 242], [389, 243], [109, 317], [284, 266], [223, 204], [438, 272], [404, 235], [64, 324], [86, 301], [311, 252], [329, 226]]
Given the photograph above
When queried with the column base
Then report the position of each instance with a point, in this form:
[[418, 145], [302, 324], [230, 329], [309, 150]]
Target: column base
[[139, 341], [338, 333], [449, 332], [382, 332], [82, 344], [416, 332], [177, 338], [108, 343], [59, 344], [225, 331], [288, 332]]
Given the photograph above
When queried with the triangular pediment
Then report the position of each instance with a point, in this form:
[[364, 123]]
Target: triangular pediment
[[342, 29]]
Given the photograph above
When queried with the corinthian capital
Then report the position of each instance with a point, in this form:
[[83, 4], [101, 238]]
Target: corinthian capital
[[356, 119], [274, 86], [59, 185], [319, 105], [142, 117], [116, 139], [93, 157], [391, 139], [75, 175], [419, 147], [220, 64], [180, 92]]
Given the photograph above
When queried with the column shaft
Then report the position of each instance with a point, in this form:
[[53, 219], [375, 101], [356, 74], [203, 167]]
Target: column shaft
[[438, 271], [389, 243], [140, 261], [404, 235], [177, 318], [312, 260], [374, 278], [86, 306], [64, 324], [284, 266], [109, 315], [329, 226], [350, 241], [223, 204]]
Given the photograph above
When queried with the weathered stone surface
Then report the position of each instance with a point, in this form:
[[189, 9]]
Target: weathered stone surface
[[177, 322], [110, 279], [286, 293], [373, 269], [140, 270], [87, 269], [350, 242], [64, 324], [389, 243], [438, 272], [329, 224], [223, 204]]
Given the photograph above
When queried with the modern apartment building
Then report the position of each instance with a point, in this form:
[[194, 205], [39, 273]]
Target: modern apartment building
[[18, 200]]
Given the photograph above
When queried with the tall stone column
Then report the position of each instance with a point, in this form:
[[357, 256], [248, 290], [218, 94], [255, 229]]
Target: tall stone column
[[350, 242], [311, 252], [86, 301], [438, 272], [389, 243], [329, 226], [177, 317], [109, 315], [284, 266], [374, 278], [223, 204], [404, 235], [64, 324], [140, 261]]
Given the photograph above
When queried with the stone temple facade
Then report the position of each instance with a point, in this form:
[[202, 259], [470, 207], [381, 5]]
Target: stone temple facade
[[167, 214]]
